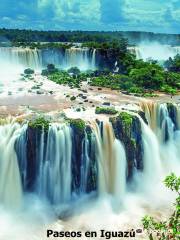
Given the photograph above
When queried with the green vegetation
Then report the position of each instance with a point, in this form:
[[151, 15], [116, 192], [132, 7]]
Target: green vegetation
[[28, 71], [141, 78], [39, 123], [13, 36], [173, 65], [111, 81], [106, 110], [78, 124], [150, 76], [126, 118], [117, 46], [49, 70], [72, 98], [170, 229], [74, 71], [62, 77], [169, 90]]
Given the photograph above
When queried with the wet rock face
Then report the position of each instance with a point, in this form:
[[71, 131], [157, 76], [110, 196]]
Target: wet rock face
[[92, 179], [127, 129], [27, 148], [77, 143], [79, 132], [33, 148], [172, 110], [106, 58]]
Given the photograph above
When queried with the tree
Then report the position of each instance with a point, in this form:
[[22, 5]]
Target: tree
[[149, 77], [170, 229], [74, 70], [173, 65]]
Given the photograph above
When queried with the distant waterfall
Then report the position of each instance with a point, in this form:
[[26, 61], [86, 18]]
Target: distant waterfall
[[83, 58], [154, 51], [60, 164], [28, 58]]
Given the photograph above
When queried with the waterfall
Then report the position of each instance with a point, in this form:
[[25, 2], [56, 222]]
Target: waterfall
[[54, 170], [21, 58], [111, 162], [10, 183], [85, 164], [93, 62], [61, 164], [83, 58], [154, 51], [161, 140]]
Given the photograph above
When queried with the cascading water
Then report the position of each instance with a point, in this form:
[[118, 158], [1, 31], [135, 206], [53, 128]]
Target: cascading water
[[111, 162], [60, 164], [164, 122], [10, 182], [21, 58], [83, 58], [54, 173], [154, 51]]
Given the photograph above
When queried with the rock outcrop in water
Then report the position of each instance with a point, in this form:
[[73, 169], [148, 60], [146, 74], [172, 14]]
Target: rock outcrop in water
[[127, 129]]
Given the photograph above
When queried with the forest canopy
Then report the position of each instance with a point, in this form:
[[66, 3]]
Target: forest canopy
[[16, 35]]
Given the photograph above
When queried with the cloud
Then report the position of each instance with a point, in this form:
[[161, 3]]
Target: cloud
[[112, 11], [144, 15]]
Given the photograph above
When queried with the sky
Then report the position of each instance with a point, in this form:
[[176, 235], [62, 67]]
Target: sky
[[106, 15]]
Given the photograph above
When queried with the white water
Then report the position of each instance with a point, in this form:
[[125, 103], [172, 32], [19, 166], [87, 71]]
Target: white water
[[54, 176], [22, 58], [155, 51], [10, 182], [80, 58]]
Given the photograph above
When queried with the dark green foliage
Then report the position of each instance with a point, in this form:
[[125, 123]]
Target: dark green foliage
[[51, 69], [28, 71], [106, 110], [173, 65], [14, 36], [62, 77], [126, 118], [119, 46], [74, 70], [39, 123], [78, 124], [169, 90], [110, 81], [173, 79], [72, 98], [150, 77]]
